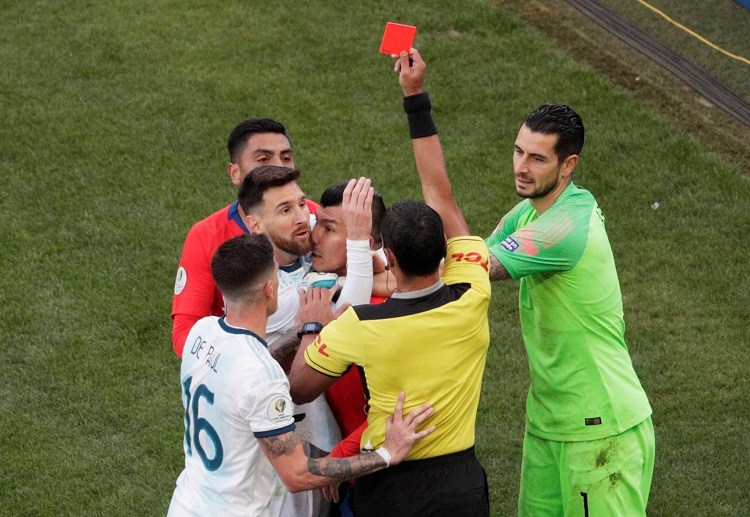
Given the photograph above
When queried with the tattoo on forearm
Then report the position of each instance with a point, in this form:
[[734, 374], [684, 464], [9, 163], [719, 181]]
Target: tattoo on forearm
[[283, 444], [342, 469], [327, 469], [497, 271], [284, 346]]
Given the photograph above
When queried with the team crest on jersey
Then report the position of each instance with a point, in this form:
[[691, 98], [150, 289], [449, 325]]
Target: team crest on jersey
[[510, 244], [179, 283], [280, 410]]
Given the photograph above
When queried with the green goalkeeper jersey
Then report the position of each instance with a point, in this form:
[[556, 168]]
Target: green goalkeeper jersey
[[583, 386]]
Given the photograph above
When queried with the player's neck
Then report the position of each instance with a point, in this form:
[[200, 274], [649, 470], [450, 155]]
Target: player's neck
[[542, 204], [249, 317], [284, 258]]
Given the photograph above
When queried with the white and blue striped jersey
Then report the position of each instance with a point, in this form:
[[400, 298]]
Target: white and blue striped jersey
[[233, 393]]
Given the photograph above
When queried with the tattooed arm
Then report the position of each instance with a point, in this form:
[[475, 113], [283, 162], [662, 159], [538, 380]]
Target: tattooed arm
[[284, 348], [497, 271], [298, 472]]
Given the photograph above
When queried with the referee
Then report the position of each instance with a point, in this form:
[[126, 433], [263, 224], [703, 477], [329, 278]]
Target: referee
[[429, 339]]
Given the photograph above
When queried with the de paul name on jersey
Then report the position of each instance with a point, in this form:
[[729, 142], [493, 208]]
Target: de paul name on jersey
[[198, 351]]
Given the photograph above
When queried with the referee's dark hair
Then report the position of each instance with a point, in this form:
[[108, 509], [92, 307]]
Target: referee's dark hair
[[414, 233], [261, 179], [334, 196], [240, 264], [244, 130]]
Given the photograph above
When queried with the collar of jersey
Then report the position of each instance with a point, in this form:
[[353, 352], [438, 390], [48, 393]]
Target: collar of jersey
[[422, 292], [569, 191], [294, 266], [234, 215], [237, 330]]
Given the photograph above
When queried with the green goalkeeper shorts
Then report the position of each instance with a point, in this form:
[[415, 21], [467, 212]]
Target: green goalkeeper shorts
[[606, 477]]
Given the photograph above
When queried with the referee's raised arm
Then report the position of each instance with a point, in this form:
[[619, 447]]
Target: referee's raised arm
[[428, 153]]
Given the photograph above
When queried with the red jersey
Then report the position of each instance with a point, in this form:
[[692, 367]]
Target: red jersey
[[195, 292], [346, 398]]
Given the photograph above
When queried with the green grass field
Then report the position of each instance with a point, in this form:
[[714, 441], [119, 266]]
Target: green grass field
[[112, 141]]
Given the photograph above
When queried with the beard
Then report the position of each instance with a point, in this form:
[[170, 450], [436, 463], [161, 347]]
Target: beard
[[291, 246], [541, 191]]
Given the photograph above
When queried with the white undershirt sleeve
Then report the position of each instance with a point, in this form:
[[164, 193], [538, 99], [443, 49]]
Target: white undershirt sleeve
[[358, 284]]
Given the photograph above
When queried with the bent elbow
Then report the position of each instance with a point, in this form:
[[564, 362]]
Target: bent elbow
[[299, 396], [297, 388], [297, 488], [295, 484]]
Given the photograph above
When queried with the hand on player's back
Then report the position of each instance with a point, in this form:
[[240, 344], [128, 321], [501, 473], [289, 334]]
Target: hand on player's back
[[401, 431]]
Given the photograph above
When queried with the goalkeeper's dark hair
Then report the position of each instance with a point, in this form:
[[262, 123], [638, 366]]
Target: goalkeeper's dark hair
[[414, 233], [241, 265], [561, 120], [334, 196], [244, 130]]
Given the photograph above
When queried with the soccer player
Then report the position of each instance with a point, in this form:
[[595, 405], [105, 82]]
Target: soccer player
[[252, 143], [276, 206], [429, 339], [237, 403], [589, 440]]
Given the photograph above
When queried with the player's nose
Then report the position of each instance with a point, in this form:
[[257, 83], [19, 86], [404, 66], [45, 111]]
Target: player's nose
[[520, 169]]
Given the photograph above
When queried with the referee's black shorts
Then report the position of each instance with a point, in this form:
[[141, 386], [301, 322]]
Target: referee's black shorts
[[450, 485]]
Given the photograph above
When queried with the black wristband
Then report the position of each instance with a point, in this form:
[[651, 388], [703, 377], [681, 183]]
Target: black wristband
[[418, 110], [417, 102]]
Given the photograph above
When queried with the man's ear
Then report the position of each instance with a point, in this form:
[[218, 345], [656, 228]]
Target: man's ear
[[253, 223], [233, 170], [269, 290], [390, 258], [569, 165]]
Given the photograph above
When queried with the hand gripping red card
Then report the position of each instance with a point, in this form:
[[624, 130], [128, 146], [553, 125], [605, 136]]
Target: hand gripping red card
[[397, 37]]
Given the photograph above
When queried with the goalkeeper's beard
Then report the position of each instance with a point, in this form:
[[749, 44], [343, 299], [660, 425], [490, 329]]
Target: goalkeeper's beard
[[541, 191]]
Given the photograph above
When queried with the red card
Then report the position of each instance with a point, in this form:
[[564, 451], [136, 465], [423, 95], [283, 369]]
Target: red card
[[397, 37]]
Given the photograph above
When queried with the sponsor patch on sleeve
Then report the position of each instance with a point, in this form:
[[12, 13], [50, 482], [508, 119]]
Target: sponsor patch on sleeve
[[510, 244], [180, 281], [280, 410]]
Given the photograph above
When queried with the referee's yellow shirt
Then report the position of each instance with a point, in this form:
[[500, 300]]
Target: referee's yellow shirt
[[430, 344]]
